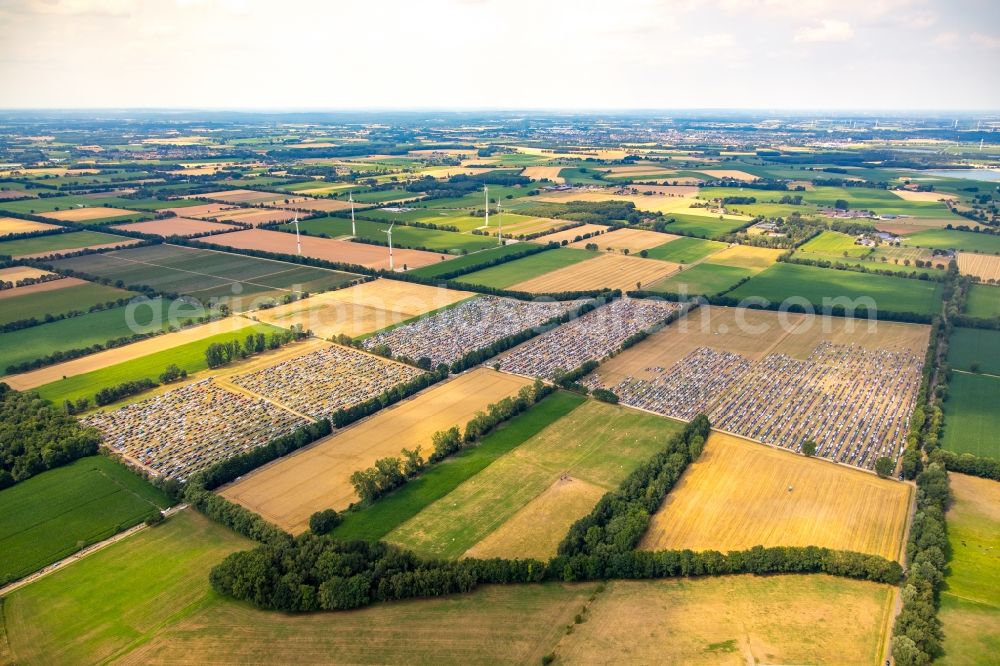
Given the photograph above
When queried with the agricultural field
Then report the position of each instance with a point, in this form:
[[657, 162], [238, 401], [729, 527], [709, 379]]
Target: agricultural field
[[975, 349], [362, 309], [627, 240], [96, 215], [149, 362], [702, 279], [70, 295], [984, 266], [26, 345], [512, 225], [970, 602], [739, 494], [971, 418], [402, 236], [602, 271], [40, 246], [950, 239], [816, 285], [56, 513], [570, 235], [746, 256], [14, 225], [983, 301], [520, 270], [832, 246], [736, 365], [341, 251], [175, 226], [242, 282], [318, 477], [464, 262], [703, 226], [374, 521], [685, 250], [538, 485]]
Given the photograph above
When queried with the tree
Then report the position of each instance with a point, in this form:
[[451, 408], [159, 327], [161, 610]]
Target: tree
[[322, 522], [809, 447], [884, 466]]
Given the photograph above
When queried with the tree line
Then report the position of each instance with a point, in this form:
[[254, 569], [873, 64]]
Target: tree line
[[218, 354]]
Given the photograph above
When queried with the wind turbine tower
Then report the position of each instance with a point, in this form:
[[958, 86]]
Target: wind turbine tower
[[298, 239], [388, 232], [486, 193], [499, 224], [350, 197]]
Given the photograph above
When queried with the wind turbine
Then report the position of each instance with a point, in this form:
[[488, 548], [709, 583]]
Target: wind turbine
[[499, 224], [486, 193], [298, 239], [350, 197], [388, 232]]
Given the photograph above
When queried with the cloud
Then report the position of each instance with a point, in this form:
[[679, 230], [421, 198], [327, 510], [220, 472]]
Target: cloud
[[945, 38], [828, 30], [988, 41]]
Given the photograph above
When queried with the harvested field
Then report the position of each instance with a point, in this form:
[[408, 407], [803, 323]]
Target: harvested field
[[362, 254], [654, 203], [739, 494], [557, 508], [910, 195], [597, 443], [780, 379], [16, 273], [518, 226], [13, 225], [633, 240], [88, 213], [813, 619], [203, 210], [116, 355], [984, 266], [734, 174], [323, 205], [246, 197], [612, 271], [254, 216], [318, 477], [746, 256], [540, 172], [361, 309], [669, 190], [40, 287], [912, 225], [174, 226], [571, 234]]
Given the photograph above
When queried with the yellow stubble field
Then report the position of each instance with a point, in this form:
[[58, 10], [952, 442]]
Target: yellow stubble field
[[613, 271]]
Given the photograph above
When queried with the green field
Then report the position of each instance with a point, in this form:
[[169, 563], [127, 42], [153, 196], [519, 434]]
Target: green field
[[893, 294], [971, 417], [702, 226], [465, 261], [206, 274], [377, 520], [72, 240], [71, 298], [81, 332], [49, 204], [882, 202], [950, 239], [685, 250], [190, 357], [983, 301], [969, 346], [519, 270], [402, 236], [970, 601], [476, 199], [381, 196], [58, 512], [596, 443], [833, 245], [460, 219], [705, 279]]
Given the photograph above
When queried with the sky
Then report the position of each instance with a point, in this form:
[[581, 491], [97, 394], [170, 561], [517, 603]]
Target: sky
[[501, 54]]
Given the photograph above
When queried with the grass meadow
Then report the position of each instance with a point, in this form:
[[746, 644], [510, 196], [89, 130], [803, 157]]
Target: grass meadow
[[983, 301], [58, 301], [705, 279], [892, 294], [464, 261], [971, 417], [72, 240], [402, 236], [519, 270], [58, 512], [702, 226], [950, 239], [189, 356], [685, 250], [979, 346]]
